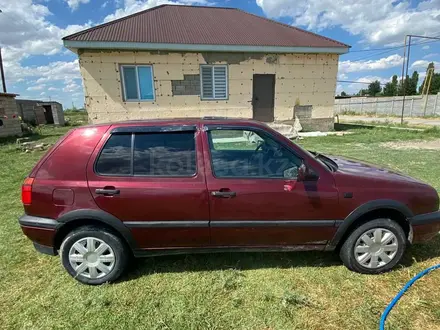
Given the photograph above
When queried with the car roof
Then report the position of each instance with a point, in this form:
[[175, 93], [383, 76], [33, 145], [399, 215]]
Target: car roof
[[185, 121]]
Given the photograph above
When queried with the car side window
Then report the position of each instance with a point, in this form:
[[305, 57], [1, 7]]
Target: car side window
[[115, 157], [250, 154], [164, 154]]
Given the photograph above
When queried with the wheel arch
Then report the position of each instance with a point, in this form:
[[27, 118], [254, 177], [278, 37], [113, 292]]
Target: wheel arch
[[78, 218], [391, 209]]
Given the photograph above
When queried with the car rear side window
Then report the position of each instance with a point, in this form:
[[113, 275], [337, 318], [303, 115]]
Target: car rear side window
[[165, 154], [115, 158], [149, 154]]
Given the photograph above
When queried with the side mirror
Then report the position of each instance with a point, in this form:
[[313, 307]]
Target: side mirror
[[305, 173]]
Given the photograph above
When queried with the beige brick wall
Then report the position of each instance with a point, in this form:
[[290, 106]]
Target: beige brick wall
[[8, 108], [305, 79]]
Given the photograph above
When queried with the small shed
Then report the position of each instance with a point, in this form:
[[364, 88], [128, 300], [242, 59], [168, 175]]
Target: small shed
[[31, 112], [53, 112], [40, 112], [9, 121]]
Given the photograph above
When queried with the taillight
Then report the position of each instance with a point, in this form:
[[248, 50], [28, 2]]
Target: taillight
[[26, 191]]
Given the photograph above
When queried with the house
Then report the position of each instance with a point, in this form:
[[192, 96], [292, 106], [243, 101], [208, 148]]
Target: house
[[9, 120], [187, 61], [39, 112]]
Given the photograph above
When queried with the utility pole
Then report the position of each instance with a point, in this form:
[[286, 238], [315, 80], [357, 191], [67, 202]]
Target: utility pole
[[2, 72], [403, 81], [404, 74], [426, 87]]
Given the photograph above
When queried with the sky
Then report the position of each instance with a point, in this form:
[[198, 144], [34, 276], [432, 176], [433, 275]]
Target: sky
[[37, 66]]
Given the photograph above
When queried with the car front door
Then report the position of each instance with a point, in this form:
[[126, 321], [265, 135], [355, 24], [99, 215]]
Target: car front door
[[255, 199], [152, 179]]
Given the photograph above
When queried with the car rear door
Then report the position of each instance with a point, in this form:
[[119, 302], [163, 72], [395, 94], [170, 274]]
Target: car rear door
[[255, 199], [152, 179]]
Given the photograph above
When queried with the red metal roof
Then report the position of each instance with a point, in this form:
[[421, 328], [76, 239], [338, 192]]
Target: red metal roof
[[173, 24]]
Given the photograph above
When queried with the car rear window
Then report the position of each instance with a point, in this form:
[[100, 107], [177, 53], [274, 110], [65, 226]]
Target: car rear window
[[149, 154]]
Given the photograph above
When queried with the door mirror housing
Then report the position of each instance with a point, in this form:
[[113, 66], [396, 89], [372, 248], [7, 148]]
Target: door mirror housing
[[305, 173]]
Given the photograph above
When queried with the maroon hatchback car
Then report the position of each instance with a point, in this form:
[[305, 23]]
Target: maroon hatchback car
[[106, 192]]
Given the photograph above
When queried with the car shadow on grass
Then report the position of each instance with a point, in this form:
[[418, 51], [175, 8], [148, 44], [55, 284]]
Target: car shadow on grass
[[422, 252], [228, 260], [258, 260]]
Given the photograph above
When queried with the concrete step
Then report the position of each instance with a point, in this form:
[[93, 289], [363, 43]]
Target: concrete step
[[285, 129]]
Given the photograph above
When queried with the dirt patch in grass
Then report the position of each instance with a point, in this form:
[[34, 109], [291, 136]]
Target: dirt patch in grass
[[427, 145]]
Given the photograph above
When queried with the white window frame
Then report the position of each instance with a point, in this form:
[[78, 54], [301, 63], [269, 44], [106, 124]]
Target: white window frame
[[213, 98], [122, 66]]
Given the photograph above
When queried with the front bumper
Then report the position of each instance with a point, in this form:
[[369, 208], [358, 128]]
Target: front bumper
[[41, 231], [425, 226], [424, 219]]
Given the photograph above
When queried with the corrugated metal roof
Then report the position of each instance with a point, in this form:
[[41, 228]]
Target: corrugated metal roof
[[173, 24]]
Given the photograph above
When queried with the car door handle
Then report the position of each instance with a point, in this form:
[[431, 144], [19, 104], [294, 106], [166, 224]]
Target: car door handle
[[223, 194], [107, 192]]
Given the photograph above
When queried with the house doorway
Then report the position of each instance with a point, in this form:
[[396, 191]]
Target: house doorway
[[263, 98], [48, 114]]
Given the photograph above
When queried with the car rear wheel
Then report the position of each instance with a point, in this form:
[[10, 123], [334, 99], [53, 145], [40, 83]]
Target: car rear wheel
[[375, 247], [93, 255]]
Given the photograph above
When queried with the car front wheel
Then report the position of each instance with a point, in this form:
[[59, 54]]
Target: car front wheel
[[375, 247], [93, 255]]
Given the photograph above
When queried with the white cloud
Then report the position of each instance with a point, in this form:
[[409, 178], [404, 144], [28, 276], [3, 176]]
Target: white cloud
[[74, 4], [431, 55], [104, 4], [360, 83], [53, 89], [25, 30], [36, 88], [425, 47], [71, 87], [55, 71], [422, 64], [379, 64], [342, 76], [133, 6], [377, 21]]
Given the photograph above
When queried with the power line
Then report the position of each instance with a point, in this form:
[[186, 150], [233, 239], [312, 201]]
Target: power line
[[358, 82], [387, 50], [393, 47]]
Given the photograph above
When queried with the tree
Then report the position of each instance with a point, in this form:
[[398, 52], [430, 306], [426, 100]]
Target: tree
[[362, 92], [390, 88], [407, 85], [343, 93], [412, 90], [435, 82], [374, 88]]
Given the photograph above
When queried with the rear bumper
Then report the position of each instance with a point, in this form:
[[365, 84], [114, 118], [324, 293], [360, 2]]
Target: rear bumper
[[41, 231], [425, 226], [30, 221]]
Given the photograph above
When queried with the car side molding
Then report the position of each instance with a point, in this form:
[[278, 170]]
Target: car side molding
[[100, 216], [363, 209]]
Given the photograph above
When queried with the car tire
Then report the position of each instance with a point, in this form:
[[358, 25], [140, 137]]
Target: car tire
[[94, 255], [374, 247]]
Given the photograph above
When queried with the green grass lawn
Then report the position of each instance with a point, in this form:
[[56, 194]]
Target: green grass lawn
[[220, 291]]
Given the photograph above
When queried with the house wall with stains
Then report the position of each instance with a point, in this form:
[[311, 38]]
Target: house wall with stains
[[300, 80]]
